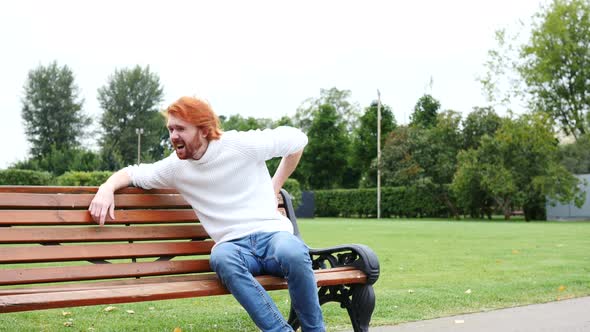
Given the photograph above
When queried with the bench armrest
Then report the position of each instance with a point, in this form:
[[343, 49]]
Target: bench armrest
[[357, 255]]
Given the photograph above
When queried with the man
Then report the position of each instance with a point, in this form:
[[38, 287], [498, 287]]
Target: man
[[224, 178]]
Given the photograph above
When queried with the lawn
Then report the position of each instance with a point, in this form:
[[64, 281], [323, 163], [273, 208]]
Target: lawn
[[429, 268]]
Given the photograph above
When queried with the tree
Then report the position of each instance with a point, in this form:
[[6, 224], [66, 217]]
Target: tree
[[398, 164], [425, 112], [325, 157], [557, 64], [576, 156], [52, 111], [519, 167], [284, 121], [413, 153], [239, 123], [467, 186], [364, 145], [347, 112], [130, 100], [481, 121], [502, 83]]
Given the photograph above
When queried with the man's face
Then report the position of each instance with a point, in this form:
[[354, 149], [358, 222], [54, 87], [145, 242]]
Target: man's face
[[185, 137]]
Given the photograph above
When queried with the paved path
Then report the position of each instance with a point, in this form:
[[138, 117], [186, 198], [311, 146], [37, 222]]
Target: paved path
[[562, 316]]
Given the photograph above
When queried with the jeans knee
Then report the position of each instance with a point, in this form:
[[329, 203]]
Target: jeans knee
[[295, 255]]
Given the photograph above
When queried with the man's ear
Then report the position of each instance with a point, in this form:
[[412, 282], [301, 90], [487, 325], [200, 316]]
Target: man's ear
[[204, 132]]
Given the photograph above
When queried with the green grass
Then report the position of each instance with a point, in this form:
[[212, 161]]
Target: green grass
[[426, 269]]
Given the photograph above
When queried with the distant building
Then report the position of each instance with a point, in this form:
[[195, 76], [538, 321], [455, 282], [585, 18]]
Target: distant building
[[570, 211]]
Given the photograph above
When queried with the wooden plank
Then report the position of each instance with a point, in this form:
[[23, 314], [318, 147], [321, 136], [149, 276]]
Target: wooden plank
[[82, 217], [38, 254], [82, 201], [78, 190], [101, 271], [69, 287], [101, 234], [141, 281], [155, 291], [77, 200]]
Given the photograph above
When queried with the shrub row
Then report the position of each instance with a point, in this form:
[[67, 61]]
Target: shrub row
[[83, 178], [25, 177], [395, 202], [39, 178]]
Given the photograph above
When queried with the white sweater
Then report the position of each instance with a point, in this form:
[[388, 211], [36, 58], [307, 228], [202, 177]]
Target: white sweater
[[230, 187]]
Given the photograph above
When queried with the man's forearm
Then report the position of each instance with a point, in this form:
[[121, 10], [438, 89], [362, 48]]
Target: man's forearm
[[117, 181], [285, 169]]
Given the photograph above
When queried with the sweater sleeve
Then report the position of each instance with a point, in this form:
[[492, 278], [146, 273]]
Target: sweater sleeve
[[270, 143], [153, 176]]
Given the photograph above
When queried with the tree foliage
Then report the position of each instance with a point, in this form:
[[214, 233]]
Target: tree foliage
[[481, 121], [502, 83], [364, 143], [347, 112], [239, 123], [425, 157], [557, 64], [324, 161], [425, 112], [517, 167], [576, 156], [130, 100], [52, 111]]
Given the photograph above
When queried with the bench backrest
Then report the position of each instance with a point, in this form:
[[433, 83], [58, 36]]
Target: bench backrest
[[48, 236]]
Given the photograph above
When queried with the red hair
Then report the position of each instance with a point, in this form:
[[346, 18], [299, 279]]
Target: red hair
[[197, 112]]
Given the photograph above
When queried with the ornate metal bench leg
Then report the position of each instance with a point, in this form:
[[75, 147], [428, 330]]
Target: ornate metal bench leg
[[361, 307]]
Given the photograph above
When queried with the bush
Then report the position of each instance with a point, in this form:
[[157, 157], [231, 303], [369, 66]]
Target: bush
[[294, 189], [83, 178], [59, 161], [24, 177], [415, 201]]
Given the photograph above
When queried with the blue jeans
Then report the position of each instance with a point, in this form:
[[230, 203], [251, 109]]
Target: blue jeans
[[280, 254]]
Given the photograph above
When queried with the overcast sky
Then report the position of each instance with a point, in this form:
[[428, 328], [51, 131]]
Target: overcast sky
[[256, 58]]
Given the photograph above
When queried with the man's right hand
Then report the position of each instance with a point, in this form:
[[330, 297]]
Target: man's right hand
[[102, 204]]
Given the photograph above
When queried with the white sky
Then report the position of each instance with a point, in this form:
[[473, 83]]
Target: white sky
[[255, 58]]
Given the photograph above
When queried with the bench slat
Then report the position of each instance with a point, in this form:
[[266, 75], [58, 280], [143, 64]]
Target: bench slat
[[79, 190], [82, 217], [36, 254], [101, 271], [101, 234], [156, 291], [130, 282], [82, 201], [88, 190]]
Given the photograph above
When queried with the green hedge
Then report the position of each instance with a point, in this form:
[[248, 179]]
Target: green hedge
[[83, 178], [395, 202], [25, 177]]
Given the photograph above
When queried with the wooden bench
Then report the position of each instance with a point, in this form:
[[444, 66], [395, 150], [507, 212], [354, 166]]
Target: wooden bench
[[154, 250]]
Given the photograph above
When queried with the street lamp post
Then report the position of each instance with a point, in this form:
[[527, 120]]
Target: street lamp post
[[138, 131]]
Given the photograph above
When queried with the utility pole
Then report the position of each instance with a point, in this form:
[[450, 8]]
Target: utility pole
[[378, 154], [138, 131]]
